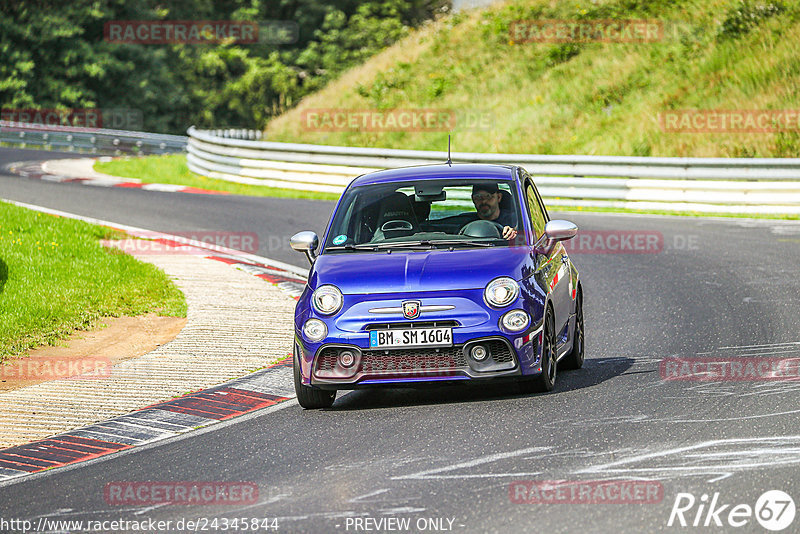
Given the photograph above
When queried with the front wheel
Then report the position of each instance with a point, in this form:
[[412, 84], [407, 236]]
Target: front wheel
[[308, 397], [545, 381]]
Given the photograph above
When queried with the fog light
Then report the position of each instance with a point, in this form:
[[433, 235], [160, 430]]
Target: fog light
[[479, 353], [346, 358], [315, 330], [515, 321]]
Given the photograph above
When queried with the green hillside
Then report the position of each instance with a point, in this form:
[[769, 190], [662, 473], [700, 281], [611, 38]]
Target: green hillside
[[576, 97]]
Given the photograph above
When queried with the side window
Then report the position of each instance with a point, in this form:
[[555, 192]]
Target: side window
[[542, 206], [538, 218]]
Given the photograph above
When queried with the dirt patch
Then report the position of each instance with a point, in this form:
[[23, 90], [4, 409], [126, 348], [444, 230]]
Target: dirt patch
[[91, 352]]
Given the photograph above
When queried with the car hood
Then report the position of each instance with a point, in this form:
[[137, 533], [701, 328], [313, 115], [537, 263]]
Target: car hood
[[435, 270]]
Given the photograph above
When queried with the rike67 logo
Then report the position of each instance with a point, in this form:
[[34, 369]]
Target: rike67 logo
[[774, 510]]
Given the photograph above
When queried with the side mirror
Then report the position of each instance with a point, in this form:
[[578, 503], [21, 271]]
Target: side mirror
[[560, 230], [555, 231], [306, 242]]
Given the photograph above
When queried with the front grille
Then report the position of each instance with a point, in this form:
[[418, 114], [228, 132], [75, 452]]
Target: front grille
[[417, 324], [412, 360], [500, 351], [326, 360]]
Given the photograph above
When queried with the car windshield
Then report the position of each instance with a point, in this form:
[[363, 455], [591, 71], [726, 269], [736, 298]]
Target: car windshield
[[424, 214]]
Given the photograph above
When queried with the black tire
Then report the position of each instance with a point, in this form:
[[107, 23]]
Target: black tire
[[546, 380], [574, 360], [308, 397]]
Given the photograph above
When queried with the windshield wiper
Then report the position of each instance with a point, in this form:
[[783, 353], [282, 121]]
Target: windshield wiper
[[465, 242], [404, 244], [350, 246], [381, 246], [432, 244], [424, 244]]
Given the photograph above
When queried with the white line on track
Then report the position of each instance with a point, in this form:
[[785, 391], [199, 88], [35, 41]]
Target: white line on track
[[784, 345], [433, 473], [367, 495], [752, 453]]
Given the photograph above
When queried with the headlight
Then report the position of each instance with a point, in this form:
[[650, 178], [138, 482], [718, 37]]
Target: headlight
[[327, 299], [501, 292], [315, 330], [515, 320]]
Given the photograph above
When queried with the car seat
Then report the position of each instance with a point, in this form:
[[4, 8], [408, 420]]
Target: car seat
[[396, 219], [507, 204]]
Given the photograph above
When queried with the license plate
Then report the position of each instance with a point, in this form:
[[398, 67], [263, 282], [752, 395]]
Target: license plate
[[411, 337]]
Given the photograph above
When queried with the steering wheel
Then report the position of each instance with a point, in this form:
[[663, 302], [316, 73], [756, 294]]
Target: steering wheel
[[481, 228]]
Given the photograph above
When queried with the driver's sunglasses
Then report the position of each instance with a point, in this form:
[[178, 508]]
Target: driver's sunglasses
[[481, 196]]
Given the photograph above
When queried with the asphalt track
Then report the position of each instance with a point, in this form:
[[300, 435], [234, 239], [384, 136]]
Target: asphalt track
[[726, 288]]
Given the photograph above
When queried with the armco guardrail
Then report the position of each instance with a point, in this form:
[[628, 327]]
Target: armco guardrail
[[89, 140], [676, 184]]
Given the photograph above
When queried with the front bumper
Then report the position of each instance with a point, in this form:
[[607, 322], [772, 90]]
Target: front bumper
[[471, 320], [321, 366], [413, 364]]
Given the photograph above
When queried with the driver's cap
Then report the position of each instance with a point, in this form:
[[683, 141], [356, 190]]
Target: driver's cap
[[489, 187]]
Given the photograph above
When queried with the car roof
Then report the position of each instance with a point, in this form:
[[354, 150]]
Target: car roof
[[439, 171]]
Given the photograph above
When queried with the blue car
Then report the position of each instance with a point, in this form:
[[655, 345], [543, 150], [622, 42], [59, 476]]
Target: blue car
[[437, 274]]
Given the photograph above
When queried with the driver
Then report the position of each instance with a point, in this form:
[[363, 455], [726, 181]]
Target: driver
[[486, 197]]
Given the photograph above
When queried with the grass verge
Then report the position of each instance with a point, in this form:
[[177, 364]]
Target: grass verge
[[502, 94], [55, 278], [172, 169]]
